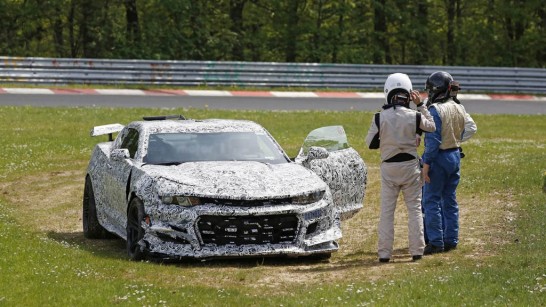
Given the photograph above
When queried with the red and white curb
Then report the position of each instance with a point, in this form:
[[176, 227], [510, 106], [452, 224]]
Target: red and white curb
[[217, 93]]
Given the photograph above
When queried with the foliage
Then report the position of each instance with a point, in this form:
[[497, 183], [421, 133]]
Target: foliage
[[423, 32]]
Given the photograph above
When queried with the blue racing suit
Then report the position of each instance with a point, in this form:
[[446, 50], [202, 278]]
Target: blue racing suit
[[442, 153]]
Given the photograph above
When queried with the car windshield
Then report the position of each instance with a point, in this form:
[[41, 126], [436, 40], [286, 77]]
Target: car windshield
[[176, 148]]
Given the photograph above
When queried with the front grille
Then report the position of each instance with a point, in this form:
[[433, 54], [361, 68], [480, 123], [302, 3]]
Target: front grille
[[242, 230], [246, 203]]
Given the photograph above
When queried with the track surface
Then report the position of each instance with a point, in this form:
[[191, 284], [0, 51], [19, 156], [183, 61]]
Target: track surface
[[473, 106]]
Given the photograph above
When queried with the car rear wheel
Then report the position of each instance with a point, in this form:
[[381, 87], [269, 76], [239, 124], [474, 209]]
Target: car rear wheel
[[135, 232], [91, 227]]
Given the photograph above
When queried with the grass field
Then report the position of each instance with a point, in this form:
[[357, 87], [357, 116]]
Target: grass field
[[46, 261]]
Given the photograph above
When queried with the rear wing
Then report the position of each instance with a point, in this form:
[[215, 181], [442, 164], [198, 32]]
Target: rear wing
[[107, 129]]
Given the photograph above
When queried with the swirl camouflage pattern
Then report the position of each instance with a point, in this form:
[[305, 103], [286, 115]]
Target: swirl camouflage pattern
[[220, 188]]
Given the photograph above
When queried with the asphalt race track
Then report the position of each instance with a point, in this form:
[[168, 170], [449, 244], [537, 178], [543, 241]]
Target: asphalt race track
[[537, 107]]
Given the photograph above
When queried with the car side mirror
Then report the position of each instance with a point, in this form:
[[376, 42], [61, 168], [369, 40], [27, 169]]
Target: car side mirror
[[120, 154], [316, 152]]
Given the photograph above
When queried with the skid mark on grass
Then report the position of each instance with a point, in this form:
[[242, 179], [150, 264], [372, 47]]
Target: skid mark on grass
[[50, 203]]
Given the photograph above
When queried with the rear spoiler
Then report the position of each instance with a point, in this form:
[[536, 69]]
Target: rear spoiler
[[107, 129]]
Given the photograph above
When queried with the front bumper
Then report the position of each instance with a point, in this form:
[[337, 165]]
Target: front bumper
[[211, 231]]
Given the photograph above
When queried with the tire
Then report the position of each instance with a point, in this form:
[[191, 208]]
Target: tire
[[92, 229], [135, 232]]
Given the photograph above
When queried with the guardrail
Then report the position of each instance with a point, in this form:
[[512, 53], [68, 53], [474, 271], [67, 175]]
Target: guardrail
[[62, 71]]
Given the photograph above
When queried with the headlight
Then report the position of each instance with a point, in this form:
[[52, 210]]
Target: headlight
[[308, 198], [186, 201]]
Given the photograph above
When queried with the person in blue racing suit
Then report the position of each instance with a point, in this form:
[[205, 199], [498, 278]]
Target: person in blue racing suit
[[441, 162]]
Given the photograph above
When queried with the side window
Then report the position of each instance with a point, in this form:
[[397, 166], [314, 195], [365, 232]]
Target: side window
[[131, 142]]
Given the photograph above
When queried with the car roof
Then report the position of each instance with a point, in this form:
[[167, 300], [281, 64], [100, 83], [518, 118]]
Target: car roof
[[197, 126]]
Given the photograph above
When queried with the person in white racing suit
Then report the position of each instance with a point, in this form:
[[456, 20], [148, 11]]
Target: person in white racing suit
[[393, 131]]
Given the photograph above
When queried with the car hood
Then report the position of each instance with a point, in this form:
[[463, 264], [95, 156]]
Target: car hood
[[235, 180]]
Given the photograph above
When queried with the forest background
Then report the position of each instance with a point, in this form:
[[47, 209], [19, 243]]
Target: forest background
[[423, 32]]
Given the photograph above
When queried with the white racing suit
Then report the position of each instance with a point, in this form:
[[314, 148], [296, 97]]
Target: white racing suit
[[400, 171]]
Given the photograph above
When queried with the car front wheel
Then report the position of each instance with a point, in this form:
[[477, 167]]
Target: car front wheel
[[135, 232], [91, 227]]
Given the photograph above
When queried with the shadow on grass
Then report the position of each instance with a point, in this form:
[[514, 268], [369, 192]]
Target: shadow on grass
[[114, 248], [360, 260]]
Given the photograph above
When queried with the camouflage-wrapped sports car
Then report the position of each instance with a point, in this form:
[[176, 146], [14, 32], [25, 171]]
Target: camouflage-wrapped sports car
[[176, 188]]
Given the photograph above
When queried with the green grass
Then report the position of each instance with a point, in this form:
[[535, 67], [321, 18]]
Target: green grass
[[45, 261]]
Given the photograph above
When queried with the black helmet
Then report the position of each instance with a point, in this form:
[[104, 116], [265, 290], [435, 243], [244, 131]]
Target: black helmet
[[438, 86]]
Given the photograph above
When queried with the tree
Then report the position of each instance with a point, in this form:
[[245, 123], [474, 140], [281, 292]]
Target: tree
[[423, 32]]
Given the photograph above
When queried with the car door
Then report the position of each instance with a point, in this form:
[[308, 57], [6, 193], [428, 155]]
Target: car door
[[119, 170], [342, 169]]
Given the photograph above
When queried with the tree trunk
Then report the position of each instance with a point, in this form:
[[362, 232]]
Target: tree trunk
[[88, 41], [58, 33], [421, 52], [460, 50], [515, 29], [292, 31], [339, 37], [131, 17], [451, 51], [381, 49], [198, 31], [71, 26], [236, 8], [317, 38], [541, 52]]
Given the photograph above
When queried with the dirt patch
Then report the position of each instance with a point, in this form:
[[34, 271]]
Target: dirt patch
[[50, 203]]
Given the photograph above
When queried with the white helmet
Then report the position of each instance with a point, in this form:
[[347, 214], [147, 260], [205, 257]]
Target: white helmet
[[397, 81]]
